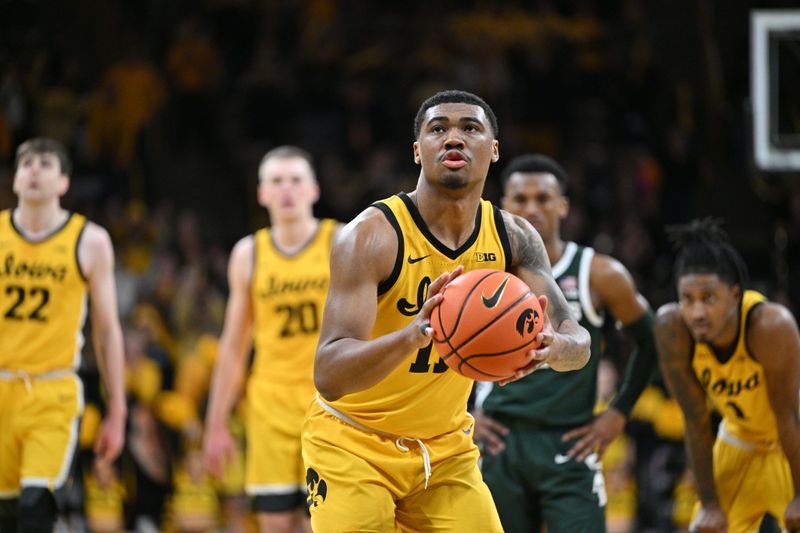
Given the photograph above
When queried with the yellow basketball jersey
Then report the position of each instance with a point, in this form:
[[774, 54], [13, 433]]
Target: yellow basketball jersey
[[737, 387], [288, 294], [422, 397], [42, 298]]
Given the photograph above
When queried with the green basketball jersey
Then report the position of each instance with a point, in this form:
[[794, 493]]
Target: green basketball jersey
[[546, 397]]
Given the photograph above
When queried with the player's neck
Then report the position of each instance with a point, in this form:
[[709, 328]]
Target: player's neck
[[291, 236], [724, 342], [555, 249], [450, 219], [38, 220]]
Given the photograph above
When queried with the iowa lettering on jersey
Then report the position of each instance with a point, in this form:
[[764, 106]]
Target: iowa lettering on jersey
[[728, 388], [421, 364], [731, 389], [15, 268], [276, 287]]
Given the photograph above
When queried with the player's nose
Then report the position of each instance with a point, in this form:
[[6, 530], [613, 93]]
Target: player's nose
[[453, 139]]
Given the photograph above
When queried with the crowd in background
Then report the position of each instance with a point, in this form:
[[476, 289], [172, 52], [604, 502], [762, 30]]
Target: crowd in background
[[167, 107]]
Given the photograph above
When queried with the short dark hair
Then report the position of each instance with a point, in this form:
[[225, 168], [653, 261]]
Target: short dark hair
[[454, 96], [288, 151], [703, 248], [535, 163], [45, 145]]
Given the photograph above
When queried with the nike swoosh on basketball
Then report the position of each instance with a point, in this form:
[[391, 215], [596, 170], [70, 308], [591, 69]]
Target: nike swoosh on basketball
[[492, 301], [412, 260]]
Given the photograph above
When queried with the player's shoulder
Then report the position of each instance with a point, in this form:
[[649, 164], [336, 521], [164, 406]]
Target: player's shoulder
[[668, 315], [372, 223], [95, 236], [606, 271], [768, 318], [243, 249]]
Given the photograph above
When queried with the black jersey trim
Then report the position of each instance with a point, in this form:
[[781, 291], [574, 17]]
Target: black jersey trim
[[81, 273], [500, 224], [746, 325], [389, 282], [47, 237], [303, 248], [725, 356], [423, 228]]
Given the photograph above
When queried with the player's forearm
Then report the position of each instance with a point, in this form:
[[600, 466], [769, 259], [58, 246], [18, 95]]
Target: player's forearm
[[344, 366], [789, 433], [699, 444], [108, 344], [640, 368], [574, 349], [226, 382]]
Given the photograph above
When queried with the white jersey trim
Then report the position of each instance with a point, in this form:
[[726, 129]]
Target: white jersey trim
[[565, 260], [274, 490], [584, 271]]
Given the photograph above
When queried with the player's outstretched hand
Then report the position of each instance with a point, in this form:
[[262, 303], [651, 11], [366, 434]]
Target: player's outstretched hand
[[422, 322], [710, 519], [490, 433], [596, 435]]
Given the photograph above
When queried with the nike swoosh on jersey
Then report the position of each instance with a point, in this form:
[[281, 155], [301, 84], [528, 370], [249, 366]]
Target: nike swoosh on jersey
[[412, 260], [492, 301]]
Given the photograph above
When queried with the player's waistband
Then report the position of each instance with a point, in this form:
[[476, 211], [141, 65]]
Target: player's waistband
[[761, 445], [7, 374], [399, 440]]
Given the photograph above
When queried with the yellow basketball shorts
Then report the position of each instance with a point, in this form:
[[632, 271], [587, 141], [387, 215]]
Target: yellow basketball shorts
[[361, 481], [751, 482], [274, 422], [38, 430]]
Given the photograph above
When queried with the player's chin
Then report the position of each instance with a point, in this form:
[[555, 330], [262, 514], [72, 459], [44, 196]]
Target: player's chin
[[453, 181]]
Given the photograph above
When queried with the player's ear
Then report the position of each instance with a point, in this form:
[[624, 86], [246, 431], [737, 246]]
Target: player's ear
[[495, 151], [417, 158], [63, 185], [563, 208]]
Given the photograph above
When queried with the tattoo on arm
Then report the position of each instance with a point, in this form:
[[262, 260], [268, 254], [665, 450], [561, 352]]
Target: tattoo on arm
[[530, 254], [673, 350]]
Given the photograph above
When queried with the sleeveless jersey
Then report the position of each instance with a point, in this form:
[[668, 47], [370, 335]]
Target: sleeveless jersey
[[288, 295], [42, 298], [559, 399], [422, 397], [736, 387]]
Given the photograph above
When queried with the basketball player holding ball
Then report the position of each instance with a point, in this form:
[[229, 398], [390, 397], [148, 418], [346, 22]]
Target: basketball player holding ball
[[541, 441], [388, 442]]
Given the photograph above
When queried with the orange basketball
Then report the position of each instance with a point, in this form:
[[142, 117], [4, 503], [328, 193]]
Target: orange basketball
[[486, 324]]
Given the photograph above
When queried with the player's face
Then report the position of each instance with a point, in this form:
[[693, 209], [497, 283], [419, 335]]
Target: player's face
[[709, 306], [456, 145], [39, 178], [287, 188], [536, 196]]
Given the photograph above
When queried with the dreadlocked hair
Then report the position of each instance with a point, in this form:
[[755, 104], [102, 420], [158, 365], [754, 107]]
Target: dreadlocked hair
[[702, 248]]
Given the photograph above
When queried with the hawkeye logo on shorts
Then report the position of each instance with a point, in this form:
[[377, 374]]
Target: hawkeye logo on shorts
[[317, 489]]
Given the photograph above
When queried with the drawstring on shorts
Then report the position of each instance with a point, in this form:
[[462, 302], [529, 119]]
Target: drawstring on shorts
[[398, 441]]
